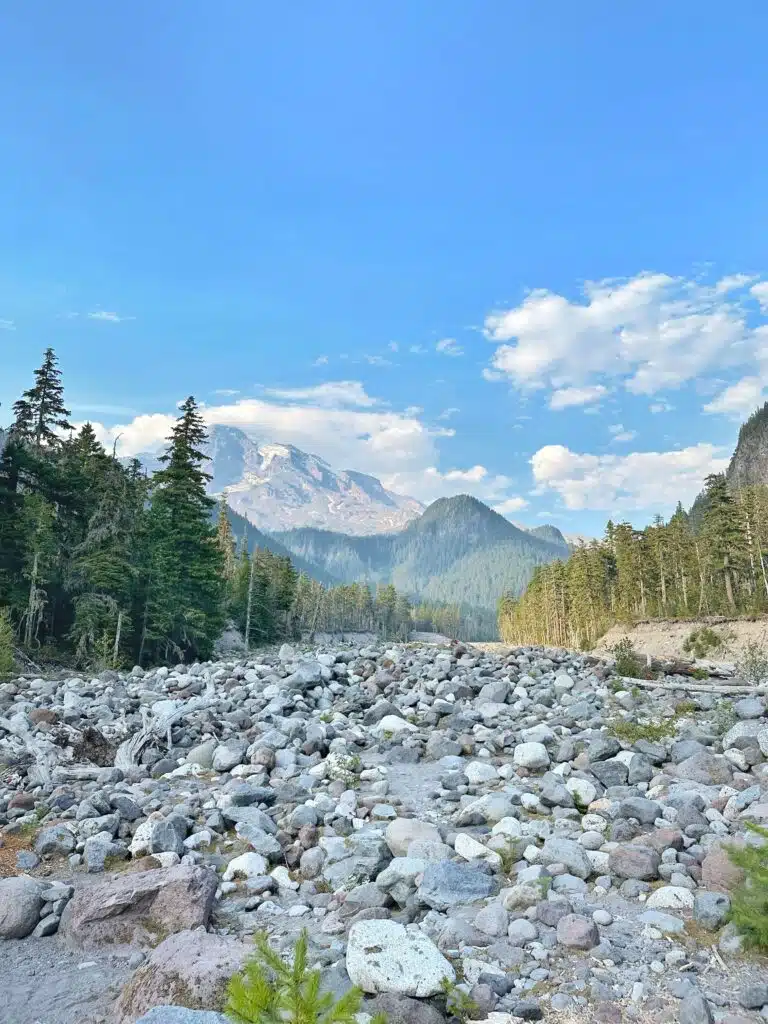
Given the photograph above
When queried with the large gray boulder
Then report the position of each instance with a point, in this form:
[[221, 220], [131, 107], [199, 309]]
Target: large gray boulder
[[141, 907], [445, 884], [403, 831], [20, 904]]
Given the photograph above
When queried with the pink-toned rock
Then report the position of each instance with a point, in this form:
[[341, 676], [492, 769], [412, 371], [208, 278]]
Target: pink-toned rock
[[191, 968], [718, 871], [139, 908]]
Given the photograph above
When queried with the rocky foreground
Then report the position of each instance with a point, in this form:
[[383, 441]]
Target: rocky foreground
[[425, 813]]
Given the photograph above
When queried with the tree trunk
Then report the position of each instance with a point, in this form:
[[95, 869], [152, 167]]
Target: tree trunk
[[249, 603]]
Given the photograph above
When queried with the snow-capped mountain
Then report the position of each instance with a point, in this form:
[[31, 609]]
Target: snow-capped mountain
[[279, 487]]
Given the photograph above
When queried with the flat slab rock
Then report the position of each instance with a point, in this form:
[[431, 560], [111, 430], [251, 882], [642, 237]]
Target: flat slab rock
[[139, 908], [383, 956]]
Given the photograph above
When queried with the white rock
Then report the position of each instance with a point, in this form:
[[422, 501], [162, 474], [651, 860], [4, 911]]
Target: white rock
[[283, 878], [582, 789], [247, 865], [670, 897], [531, 755], [392, 724], [471, 849], [507, 827], [477, 772], [383, 956]]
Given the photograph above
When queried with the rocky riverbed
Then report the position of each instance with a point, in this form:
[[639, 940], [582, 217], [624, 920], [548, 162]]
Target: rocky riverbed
[[539, 832]]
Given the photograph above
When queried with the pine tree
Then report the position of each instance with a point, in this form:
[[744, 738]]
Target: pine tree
[[225, 540], [723, 536], [40, 413], [184, 612]]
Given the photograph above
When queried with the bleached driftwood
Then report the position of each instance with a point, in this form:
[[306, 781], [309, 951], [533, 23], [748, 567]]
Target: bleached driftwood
[[44, 754], [724, 689], [157, 726]]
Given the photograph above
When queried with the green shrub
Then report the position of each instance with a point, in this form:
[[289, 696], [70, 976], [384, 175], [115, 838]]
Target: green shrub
[[701, 642], [270, 991], [723, 717], [6, 643], [631, 732], [749, 903], [627, 661], [752, 666], [458, 1003]]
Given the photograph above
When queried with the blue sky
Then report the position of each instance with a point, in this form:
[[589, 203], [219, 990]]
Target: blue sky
[[377, 224]]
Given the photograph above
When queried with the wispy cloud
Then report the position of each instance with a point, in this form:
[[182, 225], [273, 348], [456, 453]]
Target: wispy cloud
[[447, 413], [619, 434], [103, 314], [7, 325], [662, 406], [393, 346], [449, 347], [417, 350], [378, 361], [333, 394], [226, 392], [101, 409], [565, 398], [321, 361]]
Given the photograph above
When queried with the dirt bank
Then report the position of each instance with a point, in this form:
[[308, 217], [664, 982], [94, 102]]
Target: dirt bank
[[666, 639]]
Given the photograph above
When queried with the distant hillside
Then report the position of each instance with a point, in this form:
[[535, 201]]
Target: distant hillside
[[749, 462], [458, 552], [256, 539]]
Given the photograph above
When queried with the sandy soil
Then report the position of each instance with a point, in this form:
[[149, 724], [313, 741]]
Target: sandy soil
[[665, 639]]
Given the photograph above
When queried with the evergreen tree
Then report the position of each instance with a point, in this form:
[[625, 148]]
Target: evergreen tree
[[40, 412], [184, 612]]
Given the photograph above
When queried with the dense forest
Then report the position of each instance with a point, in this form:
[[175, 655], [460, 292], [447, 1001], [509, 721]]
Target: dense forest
[[105, 565], [711, 561], [457, 558]]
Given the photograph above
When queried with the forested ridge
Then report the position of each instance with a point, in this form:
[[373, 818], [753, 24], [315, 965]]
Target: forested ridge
[[706, 562], [458, 555], [104, 565]]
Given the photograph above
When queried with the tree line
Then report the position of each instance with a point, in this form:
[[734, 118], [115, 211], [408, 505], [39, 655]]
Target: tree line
[[109, 566], [712, 562]]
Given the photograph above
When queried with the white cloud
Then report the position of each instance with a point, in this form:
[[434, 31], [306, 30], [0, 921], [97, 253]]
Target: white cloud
[[332, 394], [342, 424], [429, 484], [619, 434], [651, 331], [662, 406], [449, 347], [618, 483], [447, 413], [226, 392], [417, 350], [510, 505], [760, 292], [377, 361], [7, 325], [102, 314], [733, 282], [740, 399], [320, 361], [393, 346], [564, 398]]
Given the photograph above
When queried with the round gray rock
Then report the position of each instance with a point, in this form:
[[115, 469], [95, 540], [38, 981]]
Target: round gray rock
[[20, 905]]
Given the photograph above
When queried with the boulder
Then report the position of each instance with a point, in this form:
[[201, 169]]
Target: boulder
[[569, 853], [532, 755], [20, 904], [191, 967], [143, 907], [577, 932], [403, 831], [630, 861], [445, 884], [383, 956]]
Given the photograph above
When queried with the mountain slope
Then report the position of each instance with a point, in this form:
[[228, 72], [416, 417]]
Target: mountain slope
[[256, 539], [279, 487], [458, 552], [749, 462]]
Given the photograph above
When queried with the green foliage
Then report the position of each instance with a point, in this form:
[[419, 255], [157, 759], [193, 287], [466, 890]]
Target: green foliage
[[723, 717], [752, 666], [631, 732], [458, 1003], [749, 903], [6, 643], [627, 662], [271, 991], [702, 642]]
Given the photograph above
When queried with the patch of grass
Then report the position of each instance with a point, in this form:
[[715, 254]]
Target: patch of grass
[[723, 717], [704, 641], [631, 732], [685, 707]]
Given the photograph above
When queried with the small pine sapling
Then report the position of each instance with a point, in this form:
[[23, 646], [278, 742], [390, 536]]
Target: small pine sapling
[[271, 991], [749, 903]]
